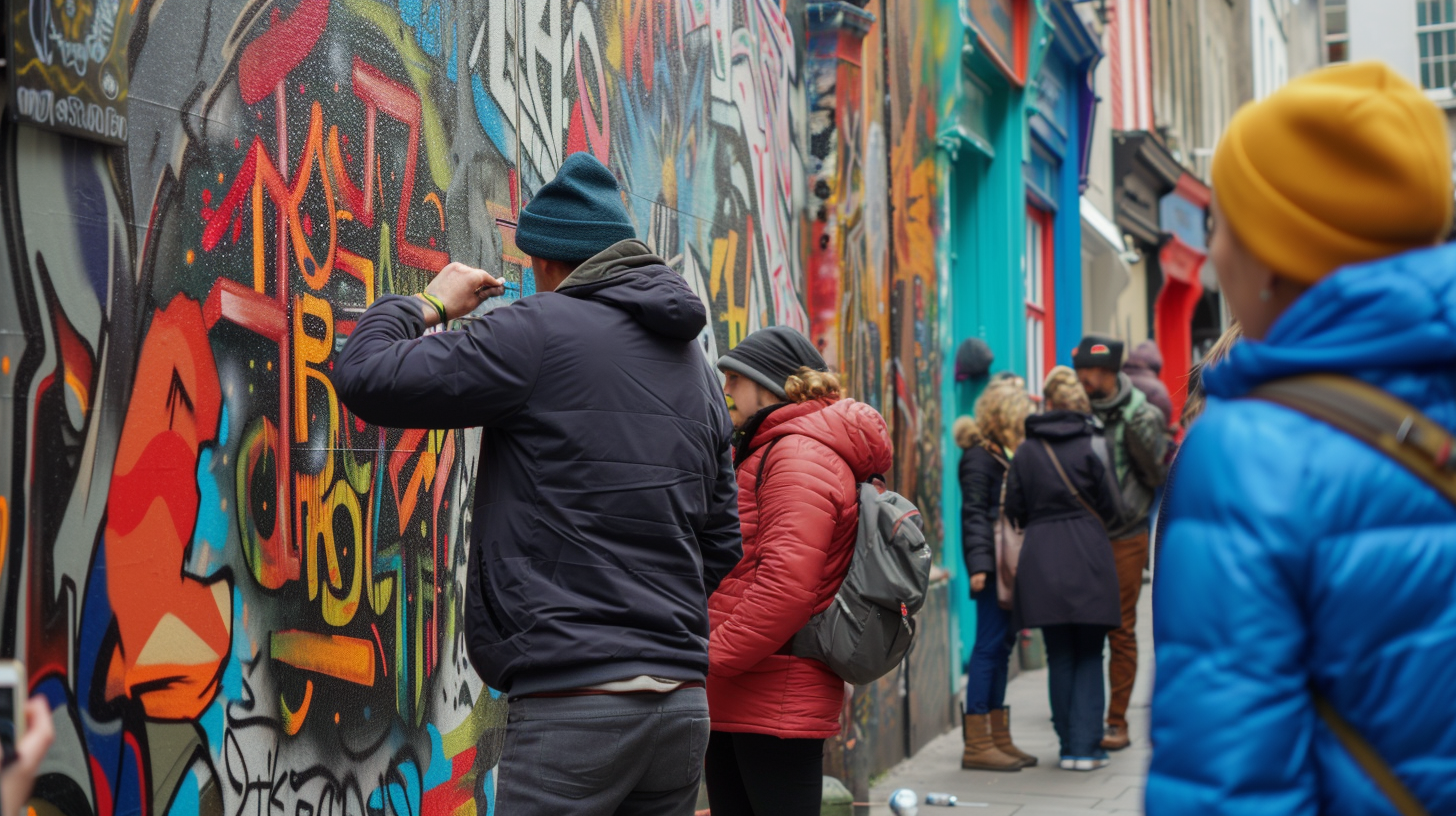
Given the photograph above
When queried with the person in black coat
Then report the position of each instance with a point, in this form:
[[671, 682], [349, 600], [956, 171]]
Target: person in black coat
[[1066, 583], [989, 440], [606, 505]]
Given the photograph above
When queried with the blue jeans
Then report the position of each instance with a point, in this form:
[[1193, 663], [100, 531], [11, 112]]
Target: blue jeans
[[1074, 669], [986, 673]]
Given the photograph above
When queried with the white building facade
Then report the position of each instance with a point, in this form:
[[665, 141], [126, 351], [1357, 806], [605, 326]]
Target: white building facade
[[1416, 37]]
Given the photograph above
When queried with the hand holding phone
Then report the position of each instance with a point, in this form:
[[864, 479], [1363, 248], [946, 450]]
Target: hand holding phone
[[26, 734]]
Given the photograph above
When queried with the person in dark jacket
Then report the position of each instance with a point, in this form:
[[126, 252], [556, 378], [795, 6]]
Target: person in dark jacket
[[803, 448], [1137, 438], [1144, 367], [989, 440], [605, 507], [1304, 568], [1066, 583]]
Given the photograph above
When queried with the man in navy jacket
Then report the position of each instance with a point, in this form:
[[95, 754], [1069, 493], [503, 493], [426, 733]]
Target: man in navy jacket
[[605, 501]]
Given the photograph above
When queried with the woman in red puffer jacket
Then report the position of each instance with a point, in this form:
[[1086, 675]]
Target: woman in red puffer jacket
[[801, 451]]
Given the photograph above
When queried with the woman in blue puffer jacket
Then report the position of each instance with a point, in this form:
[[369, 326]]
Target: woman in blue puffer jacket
[[1299, 561]]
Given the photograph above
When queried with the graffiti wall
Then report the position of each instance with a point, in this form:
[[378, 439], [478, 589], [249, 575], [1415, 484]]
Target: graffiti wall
[[920, 36], [847, 226], [238, 597]]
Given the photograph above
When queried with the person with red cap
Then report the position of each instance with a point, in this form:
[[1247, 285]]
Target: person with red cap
[[1137, 438]]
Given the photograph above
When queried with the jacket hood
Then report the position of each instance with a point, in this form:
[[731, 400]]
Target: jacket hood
[[1116, 401], [629, 277], [853, 430], [1390, 323], [1055, 425], [1146, 357]]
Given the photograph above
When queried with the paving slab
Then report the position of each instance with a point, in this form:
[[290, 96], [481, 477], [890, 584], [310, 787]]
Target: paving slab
[[1045, 790]]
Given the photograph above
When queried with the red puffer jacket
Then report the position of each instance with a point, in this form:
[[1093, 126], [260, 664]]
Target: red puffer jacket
[[798, 538]]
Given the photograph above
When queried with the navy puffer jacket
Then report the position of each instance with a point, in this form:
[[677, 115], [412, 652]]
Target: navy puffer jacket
[[606, 507], [1298, 559]]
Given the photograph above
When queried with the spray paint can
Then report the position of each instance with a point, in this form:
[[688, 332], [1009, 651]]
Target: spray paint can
[[942, 799]]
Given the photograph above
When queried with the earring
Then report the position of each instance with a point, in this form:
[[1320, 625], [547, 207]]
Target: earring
[[1266, 295]]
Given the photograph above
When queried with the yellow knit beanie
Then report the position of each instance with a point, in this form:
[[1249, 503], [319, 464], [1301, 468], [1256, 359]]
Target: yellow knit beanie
[[1346, 164]]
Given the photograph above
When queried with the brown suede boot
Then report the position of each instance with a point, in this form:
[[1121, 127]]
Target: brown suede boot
[[981, 753], [1001, 735]]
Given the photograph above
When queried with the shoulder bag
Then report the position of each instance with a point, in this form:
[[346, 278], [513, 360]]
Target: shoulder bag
[[1008, 545]]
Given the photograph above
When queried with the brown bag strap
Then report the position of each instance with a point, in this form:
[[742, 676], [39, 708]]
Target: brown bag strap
[[1005, 479], [1369, 759], [1057, 463], [1401, 432]]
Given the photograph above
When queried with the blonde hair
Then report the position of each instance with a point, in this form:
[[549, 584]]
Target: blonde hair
[[1064, 392], [807, 384], [1197, 397], [1000, 420]]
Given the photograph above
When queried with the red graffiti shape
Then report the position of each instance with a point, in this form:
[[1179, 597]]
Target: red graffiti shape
[[268, 59], [175, 630]]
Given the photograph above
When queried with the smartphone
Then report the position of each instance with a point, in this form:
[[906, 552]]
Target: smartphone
[[12, 707]]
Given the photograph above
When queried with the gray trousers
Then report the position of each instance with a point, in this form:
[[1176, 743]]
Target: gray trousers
[[600, 755]]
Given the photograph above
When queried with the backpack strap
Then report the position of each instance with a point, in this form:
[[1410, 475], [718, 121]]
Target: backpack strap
[[763, 465], [1057, 463], [1401, 432], [1390, 425]]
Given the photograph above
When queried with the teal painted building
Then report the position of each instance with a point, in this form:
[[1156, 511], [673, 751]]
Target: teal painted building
[[1013, 159]]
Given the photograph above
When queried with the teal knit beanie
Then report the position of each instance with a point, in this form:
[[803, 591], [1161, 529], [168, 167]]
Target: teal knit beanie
[[576, 215]]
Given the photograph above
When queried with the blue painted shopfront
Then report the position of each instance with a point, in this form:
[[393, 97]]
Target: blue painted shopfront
[[1013, 166]]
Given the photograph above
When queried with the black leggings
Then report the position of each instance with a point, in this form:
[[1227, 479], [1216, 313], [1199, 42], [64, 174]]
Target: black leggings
[[761, 775]]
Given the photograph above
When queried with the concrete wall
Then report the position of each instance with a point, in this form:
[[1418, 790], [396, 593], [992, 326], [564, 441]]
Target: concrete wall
[[237, 597], [1130, 321]]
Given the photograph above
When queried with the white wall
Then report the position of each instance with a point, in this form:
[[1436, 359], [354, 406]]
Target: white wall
[[1385, 30], [1271, 47]]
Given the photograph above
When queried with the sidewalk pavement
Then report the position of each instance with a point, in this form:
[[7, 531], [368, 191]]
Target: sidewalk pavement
[[1045, 790]]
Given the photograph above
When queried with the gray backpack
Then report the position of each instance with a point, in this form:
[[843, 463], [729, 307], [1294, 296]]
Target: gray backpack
[[865, 633]]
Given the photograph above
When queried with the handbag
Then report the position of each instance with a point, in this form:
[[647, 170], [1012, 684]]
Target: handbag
[[1410, 438], [1008, 551], [1057, 463]]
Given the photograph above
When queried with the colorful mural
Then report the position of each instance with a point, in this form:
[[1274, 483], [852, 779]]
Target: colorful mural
[[238, 597], [846, 269], [919, 49]]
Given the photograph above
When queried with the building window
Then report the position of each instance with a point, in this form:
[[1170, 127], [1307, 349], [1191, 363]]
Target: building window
[[1337, 32], [1436, 34], [1040, 314]]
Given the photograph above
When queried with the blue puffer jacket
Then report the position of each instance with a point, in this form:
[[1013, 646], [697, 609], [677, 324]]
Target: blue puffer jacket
[[1296, 556]]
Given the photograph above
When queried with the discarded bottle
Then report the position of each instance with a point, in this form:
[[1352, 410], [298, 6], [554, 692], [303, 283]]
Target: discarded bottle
[[903, 803], [942, 799]]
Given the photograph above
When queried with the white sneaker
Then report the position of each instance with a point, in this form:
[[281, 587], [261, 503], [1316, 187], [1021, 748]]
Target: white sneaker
[[1082, 763]]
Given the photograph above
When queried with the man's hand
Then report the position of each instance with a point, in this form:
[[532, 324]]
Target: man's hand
[[18, 779], [978, 583], [461, 288]]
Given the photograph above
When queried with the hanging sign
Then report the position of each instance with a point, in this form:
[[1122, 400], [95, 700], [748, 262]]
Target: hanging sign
[[68, 66]]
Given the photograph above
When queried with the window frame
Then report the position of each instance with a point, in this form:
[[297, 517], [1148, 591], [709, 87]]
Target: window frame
[[1443, 65], [1039, 295], [1328, 39]]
